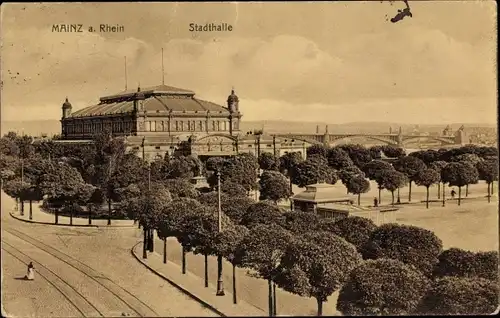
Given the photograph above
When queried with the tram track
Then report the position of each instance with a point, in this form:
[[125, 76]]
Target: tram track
[[137, 306], [74, 297]]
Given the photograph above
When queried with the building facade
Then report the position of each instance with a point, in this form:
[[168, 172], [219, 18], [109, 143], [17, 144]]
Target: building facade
[[164, 119]]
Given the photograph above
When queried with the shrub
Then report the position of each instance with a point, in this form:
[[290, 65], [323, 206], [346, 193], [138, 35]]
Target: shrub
[[409, 244], [460, 296], [461, 263], [355, 230], [382, 287]]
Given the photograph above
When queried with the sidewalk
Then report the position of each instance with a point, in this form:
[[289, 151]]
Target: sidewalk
[[193, 286], [41, 217]]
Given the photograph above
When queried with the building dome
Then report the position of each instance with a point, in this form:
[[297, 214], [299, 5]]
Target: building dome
[[66, 104], [232, 98]]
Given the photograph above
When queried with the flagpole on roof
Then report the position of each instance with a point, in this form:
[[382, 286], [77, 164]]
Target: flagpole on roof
[[162, 69], [125, 73]]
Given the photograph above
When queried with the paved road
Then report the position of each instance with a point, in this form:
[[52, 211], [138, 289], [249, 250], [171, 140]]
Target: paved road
[[82, 272]]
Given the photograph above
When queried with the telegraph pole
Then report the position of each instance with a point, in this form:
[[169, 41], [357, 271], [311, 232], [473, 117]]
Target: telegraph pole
[[220, 283]]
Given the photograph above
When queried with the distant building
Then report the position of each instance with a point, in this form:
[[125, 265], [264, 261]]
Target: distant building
[[164, 119]]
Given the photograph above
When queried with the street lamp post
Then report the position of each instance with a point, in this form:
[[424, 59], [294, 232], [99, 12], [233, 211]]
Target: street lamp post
[[146, 239], [220, 282]]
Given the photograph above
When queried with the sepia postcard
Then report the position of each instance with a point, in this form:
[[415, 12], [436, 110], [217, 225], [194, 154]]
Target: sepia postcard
[[195, 159]]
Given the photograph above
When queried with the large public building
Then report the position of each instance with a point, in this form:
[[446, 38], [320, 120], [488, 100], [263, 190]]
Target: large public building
[[161, 120]]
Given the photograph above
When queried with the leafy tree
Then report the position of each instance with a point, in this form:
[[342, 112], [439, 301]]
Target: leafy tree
[[317, 149], [378, 170], [150, 208], [426, 156], [382, 287], [391, 151], [6, 174], [339, 159], [391, 180], [15, 188], [427, 178], [62, 183], [181, 188], [409, 244], [316, 265], [8, 147], [288, 161], [347, 173], [358, 154], [214, 163], [459, 174], [261, 250], [232, 206], [488, 171], [461, 263], [460, 296], [375, 152], [202, 227], [274, 186], [357, 185], [181, 167], [241, 169], [261, 213], [411, 167], [227, 244], [312, 171], [233, 189], [355, 230], [268, 161], [438, 166], [299, 223]]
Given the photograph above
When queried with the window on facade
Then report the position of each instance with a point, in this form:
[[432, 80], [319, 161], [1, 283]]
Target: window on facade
[[218, 125], [182, 126], [213, 125], [193, 125], [176, 125], [189, 125], [153, 126], [225, 126], [200, 125], [157, 147]]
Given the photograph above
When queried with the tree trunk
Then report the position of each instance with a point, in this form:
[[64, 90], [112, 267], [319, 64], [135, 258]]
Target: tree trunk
[[466, 190], [109, 211], [235, 300], [459, 194], [206, 270], [359, 198], [427, 201], [320, 307], [31, 209], [183, 260], [145, 244], [164, 250], [275, 310], [57, 217], [392, 193], [71, 214], [492, 183], [90, 215], [444, 194], [489, 195], [409, 193], [270, 297], [399, 197], [22, 207], [439, 190], [151, 240], [379, 197]]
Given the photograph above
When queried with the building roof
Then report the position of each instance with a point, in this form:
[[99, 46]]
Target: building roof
[[157, 99], [319, 193]]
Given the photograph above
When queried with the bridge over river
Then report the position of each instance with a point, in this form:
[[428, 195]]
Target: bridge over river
[[399, 139]]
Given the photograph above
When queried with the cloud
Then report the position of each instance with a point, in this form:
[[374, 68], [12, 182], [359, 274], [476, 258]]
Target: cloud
[[284, 76]]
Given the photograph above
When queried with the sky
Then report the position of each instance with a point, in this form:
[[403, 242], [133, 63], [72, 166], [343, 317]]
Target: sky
[[330, 62]]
